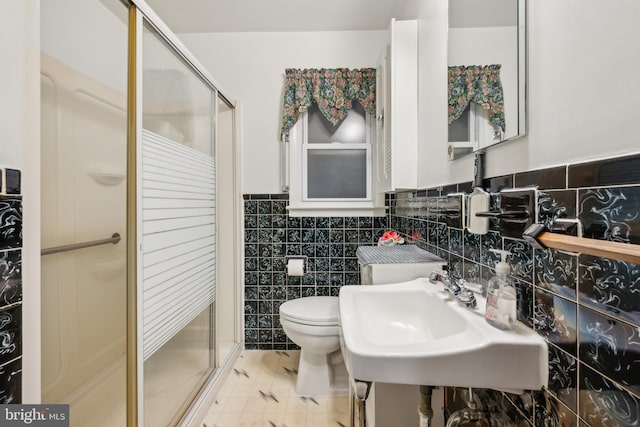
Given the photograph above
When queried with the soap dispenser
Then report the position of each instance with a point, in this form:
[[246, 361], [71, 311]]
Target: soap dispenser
[[501, 295]]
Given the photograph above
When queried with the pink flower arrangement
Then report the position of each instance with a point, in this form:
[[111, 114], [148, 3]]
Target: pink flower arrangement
[[414, 235], [390, 238]]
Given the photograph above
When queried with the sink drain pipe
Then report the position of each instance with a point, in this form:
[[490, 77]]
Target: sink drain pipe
[[425, 410], [470, 414], [358, 394]]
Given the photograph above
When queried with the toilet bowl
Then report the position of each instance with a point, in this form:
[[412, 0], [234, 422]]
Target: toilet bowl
[[312, 324]]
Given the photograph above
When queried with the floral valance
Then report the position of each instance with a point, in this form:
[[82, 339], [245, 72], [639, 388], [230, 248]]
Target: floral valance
[[333, 90], [480, 84]]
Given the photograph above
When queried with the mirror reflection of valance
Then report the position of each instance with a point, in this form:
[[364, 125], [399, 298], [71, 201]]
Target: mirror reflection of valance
[[480, 84], [333, 90]]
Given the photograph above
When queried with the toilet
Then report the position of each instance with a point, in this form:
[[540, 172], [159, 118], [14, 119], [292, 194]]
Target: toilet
[[312, 324]]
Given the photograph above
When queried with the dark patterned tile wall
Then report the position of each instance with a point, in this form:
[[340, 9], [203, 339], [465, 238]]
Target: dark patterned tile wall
[[10, 287], [586, 307], [329, 245]]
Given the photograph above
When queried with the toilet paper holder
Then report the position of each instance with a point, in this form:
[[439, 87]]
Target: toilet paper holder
[[294, 257], [302, 257]]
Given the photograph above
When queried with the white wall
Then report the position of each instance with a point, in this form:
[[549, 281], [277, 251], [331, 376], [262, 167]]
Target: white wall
[[20, 148], [581, 90], [251, 66], [13, 78]]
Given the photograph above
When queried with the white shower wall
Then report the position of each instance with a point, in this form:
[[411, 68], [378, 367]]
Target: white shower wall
[[62, 23], [83, 199]]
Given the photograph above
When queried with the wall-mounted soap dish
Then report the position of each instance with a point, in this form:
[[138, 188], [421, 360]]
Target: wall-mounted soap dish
[[106, 175]]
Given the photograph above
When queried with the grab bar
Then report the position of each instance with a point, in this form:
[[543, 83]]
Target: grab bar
[[540, 238], [115, 238]]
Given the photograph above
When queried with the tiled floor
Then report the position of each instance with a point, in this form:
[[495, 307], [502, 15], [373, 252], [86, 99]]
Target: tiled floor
[[260, 393]]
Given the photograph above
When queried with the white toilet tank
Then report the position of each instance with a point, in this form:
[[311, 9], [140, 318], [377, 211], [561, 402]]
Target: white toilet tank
[[380, 265]]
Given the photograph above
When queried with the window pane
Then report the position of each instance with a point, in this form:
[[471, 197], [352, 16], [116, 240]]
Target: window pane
[[337, 174], [459, 129], [350, 130]]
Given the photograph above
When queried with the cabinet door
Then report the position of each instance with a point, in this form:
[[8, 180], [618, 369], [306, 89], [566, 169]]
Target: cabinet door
[[397, 109]]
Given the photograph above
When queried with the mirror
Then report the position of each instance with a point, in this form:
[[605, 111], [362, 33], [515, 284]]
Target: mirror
[[486, 52]]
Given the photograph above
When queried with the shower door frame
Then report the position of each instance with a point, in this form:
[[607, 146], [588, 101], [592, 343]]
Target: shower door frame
[[139, 14]]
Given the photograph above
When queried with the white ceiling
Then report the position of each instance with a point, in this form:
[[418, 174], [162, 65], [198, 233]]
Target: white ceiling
[[192, 16]]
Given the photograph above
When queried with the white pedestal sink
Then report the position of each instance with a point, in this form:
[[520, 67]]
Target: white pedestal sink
[[414, 332]]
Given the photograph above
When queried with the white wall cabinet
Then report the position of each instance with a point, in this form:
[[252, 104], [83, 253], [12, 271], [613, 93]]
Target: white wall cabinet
[[397, 109]]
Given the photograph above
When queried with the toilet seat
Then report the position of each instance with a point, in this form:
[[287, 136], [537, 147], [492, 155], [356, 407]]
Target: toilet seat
[[312, 311]]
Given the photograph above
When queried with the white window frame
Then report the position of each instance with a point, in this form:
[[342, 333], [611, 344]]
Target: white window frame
[[482, 133], [335, 145], [295, 162]]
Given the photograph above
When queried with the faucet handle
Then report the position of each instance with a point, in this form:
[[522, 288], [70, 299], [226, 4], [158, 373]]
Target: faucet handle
[[466, 297], [445, 270], [475, 287], [437, 276]]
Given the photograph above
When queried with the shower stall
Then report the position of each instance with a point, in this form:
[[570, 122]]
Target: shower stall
[[140, 310]]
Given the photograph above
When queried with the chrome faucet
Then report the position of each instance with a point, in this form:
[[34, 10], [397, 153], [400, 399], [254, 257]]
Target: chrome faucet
[[449, 282], [455, 287]]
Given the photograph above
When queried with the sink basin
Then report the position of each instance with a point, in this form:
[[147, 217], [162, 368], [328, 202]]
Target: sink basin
[[414, 332]]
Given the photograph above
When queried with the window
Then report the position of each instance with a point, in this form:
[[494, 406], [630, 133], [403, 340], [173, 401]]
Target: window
[[336, 160], [332, 166], [472, 131], [464, 129]]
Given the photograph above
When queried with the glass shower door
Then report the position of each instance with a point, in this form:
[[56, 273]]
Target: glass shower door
[[178, 235], [83, 197]]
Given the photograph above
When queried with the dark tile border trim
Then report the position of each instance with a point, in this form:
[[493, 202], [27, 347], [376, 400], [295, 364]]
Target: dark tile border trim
[[544, 179], [616, 171]]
